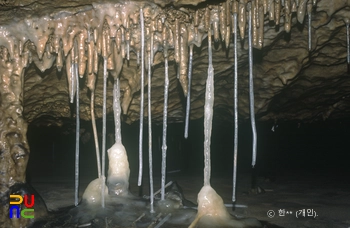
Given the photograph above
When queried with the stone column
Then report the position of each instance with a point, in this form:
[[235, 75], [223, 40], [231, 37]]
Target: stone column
[[14, 149]]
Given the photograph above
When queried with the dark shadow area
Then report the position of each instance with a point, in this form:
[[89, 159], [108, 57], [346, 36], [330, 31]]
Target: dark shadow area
[[297, 162]]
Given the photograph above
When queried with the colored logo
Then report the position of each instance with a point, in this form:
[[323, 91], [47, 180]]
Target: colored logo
[[15, 206]]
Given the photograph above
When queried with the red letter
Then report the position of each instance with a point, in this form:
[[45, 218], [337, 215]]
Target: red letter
[[26, 201]]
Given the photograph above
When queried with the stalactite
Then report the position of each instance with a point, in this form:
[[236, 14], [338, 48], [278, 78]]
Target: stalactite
[[142, 94], [277, 12], [188, 101], [77, 132], [287, 16], [348, 43], [208, 113], [309, 16], [80, 39], [117, 111], [242, 21], [104, 120], [91, 80], [251, 87], [235, 89], [222, 20], [183, 64], [165, 120], [215, 21], [301, 10], [150, 156]]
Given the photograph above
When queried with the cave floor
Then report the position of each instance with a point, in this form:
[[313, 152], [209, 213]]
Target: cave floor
[[328, 196]]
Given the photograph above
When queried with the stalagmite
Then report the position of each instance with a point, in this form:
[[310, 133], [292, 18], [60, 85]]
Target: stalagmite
[[150, 136], [77, 134], [235, 92], [309, 16], [251, 87], [207, 191], [165, 119], [141, 93], [211, 209], [118, 169], [188, 104]]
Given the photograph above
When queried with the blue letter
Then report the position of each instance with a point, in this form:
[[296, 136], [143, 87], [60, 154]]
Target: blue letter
[[17, 210]]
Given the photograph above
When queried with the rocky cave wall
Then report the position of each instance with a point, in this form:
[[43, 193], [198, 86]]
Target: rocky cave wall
[[290, 82]]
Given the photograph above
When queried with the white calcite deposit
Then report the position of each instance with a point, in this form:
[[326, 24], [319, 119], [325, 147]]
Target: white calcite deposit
[[118, 171]]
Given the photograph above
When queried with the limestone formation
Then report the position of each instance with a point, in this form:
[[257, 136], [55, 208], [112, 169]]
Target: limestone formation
[[300, 62]]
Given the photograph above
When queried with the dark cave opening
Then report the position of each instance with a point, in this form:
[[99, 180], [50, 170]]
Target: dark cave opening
[[320, 148]]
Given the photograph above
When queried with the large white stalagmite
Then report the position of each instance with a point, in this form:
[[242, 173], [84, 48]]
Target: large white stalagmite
[[150, 136], [188, 105], [211, 209], [207, 193], [77, 132], [235, 92], [165, 119], [251, 86], [141, 94], [118, 169]]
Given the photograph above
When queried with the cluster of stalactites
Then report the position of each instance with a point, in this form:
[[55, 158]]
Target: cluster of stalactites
[[112, 31]]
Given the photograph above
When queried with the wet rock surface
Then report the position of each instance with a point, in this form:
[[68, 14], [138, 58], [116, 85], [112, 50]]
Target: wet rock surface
[[285, 72]]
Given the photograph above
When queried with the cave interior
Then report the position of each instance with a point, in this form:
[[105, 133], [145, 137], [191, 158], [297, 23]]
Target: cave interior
[[52, 54]]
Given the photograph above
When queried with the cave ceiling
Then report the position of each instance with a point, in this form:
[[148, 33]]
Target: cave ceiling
[[290, 82]]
